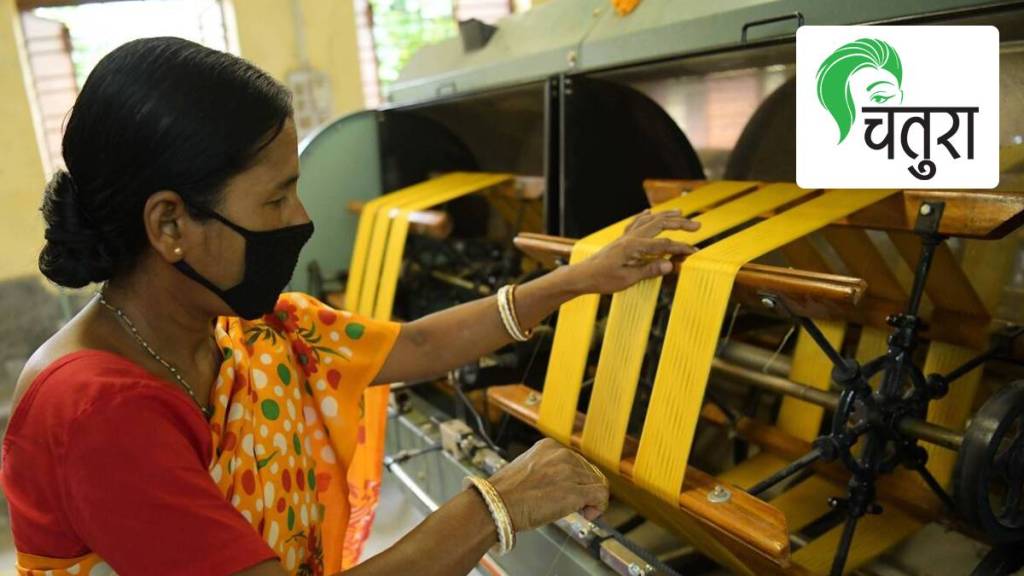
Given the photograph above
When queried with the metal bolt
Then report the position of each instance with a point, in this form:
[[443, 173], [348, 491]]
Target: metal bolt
[[581, 531], [635, 570], [532, 399], [572, 58], [926, 209], [719, 494], [768, 303]]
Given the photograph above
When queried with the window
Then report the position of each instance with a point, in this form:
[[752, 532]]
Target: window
[[391, 31], [64, 43]]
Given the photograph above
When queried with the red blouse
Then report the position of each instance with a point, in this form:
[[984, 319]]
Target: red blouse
[[101, 451]]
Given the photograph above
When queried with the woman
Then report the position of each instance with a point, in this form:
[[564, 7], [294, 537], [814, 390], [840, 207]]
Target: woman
[[174, 426]]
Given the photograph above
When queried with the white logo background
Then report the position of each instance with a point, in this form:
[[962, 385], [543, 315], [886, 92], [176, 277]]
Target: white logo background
[[943, 66]]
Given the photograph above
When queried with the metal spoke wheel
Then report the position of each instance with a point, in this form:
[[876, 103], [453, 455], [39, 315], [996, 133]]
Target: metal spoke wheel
[[989, 479]]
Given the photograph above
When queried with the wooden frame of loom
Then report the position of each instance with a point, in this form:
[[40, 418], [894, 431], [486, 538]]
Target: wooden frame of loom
[[740, 533], [982, 214]]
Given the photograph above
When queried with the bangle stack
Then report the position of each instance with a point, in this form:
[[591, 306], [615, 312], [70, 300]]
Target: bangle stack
[[507, 309], [502, 521]]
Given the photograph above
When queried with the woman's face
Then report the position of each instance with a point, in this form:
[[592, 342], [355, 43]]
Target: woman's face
[[872, 86], [263, 197]]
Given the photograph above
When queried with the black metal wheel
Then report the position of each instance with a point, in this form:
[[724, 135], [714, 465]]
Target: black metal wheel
[[989, 479], [1000, 561]]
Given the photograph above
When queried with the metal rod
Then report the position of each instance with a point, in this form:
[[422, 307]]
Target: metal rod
[[776, 384], [937, 488], [756, 358], [790, 469], [460, 283], [910, 426], [486, 562], [993, 352], [924, 264], [412, 486], [839, 561], [931, 433], [814, 332], [969, 365]]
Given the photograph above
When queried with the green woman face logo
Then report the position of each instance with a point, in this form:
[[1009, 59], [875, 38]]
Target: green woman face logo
[[867, 72]]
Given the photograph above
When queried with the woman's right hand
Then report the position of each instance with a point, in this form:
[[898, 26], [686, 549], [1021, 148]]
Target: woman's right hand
[[547, 482]]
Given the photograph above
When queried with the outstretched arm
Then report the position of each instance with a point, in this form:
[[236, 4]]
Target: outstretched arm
[[433, 345]]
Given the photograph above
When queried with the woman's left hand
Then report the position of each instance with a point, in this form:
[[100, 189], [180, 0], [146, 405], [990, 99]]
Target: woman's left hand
[[636, 256]]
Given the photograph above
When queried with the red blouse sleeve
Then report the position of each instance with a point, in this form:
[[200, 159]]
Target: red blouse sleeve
[[138, 492]]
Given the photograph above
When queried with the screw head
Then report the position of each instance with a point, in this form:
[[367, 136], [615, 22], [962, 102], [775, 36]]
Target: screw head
[[768, 303], [926, 209], [571, 58], [719, 494], [532, 399], [635, 570]]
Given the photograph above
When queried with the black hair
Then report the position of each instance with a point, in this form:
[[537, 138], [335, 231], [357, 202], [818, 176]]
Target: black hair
[[155, 114]]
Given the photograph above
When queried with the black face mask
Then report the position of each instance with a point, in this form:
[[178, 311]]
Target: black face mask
[[270, 259]]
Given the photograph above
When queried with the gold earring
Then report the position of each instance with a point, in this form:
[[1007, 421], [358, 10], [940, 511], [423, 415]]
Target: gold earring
[[177, 250]]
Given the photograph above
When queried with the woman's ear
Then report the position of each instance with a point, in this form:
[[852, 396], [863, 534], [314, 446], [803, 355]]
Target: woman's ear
[[166, 220]]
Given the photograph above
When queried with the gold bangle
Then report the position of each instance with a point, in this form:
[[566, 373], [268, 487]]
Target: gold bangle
[[507, 312], [515, 315], [499, 514]]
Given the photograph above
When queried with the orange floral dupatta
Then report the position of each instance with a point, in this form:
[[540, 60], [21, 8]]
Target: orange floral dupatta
[[285, 426]]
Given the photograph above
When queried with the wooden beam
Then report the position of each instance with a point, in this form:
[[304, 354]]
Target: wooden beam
[[810, 293], [902, 488], [438, 224], [433, 223], [987, 214], [744, 518]]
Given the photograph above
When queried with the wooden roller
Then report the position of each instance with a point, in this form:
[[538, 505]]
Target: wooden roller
[[812, 294], [438, 224]]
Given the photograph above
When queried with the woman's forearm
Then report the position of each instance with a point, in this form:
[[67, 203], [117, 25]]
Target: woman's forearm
[[448, 543], [433, 345]]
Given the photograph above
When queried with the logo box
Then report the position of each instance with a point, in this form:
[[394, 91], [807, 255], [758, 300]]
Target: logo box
[[897, 107]]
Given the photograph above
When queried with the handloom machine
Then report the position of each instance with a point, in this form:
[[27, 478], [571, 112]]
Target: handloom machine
[[831, 385]]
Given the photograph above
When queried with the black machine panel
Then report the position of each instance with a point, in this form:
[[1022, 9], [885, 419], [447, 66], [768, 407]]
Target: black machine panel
[[414, 147], [610, 138]]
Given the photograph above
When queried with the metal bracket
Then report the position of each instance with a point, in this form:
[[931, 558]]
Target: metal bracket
[[929, 214], [798, 16], [623, 561]]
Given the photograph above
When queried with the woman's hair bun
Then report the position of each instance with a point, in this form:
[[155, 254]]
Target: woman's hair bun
[[74, 255]]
